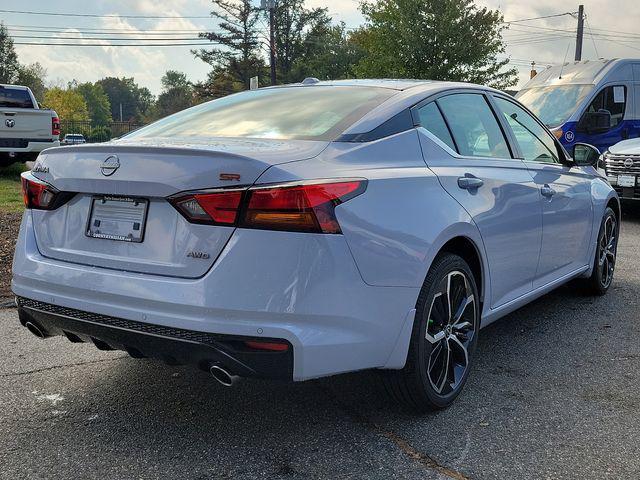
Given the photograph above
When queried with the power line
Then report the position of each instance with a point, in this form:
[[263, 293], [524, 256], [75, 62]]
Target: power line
[[106, 38], [117, 44], [92, 15], [540, 18]]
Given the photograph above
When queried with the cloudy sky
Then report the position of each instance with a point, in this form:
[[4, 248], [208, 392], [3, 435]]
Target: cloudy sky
[[611, 31]]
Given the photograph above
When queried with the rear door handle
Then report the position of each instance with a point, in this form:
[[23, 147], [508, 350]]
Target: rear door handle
[[547, 191], [470, 183]]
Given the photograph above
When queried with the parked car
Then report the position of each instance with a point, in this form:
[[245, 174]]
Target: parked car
[[25, 129], [621, 164], [593, 101], [308, 230], [73, 139]]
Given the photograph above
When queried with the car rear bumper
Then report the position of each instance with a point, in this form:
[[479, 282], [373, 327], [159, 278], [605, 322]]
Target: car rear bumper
[[143, 340], [19, 145], [304, 289]]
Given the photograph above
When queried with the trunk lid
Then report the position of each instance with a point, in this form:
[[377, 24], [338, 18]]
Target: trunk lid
[[150, 170]]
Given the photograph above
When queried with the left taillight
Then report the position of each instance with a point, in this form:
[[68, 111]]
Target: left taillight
[[38, 195], [295, 207], [55, 126]]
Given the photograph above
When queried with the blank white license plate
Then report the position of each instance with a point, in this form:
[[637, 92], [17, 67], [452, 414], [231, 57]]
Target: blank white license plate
[[118, 218], [627, 180]]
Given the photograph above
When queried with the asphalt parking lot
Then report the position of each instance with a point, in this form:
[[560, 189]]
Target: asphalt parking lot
[[555, 393]]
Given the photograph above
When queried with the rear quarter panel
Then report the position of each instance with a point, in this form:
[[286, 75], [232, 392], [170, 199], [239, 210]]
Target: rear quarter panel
[[396, 228]]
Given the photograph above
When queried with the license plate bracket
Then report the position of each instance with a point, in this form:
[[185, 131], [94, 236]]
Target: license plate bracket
[[117, 218], [627, 180]]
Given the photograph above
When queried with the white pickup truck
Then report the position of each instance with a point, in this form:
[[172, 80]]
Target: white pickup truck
[[25, 129]]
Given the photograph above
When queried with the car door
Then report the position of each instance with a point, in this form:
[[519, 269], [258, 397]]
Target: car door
[[564, 192], [465, 146], [615, 99]]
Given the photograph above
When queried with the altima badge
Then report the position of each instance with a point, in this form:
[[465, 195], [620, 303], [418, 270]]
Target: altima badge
[[110, 165]]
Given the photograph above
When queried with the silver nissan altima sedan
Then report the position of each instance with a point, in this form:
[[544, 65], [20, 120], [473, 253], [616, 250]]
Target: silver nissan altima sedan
[[312, 229]]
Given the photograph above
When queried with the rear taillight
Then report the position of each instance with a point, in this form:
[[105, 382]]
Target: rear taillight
[[55, 126], [39, 195], [296, 207]]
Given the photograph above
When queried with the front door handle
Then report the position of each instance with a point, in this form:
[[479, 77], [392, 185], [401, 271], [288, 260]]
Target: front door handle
[[470, 183], [547, 191]]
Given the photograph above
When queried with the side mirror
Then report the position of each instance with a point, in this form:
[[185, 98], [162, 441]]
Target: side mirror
[[596, 122], [585, 155]]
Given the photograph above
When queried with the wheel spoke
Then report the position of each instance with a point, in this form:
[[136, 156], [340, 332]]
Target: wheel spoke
[[463, 308]]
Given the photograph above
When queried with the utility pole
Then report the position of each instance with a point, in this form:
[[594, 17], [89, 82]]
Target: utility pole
[[270, 5], [272, 40], [580, 33]]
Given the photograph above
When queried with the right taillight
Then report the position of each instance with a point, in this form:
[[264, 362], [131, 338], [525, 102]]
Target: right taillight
[[296, 207], [38, 195]]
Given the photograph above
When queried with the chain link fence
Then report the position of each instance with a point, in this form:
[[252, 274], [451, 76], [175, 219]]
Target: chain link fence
[[95, 133]]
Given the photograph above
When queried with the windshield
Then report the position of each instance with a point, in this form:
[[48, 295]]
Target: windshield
[[554, 105], [292, 113]]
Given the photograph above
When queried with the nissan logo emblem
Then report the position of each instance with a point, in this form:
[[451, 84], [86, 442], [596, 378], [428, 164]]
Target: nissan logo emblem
[[10, 122], [110, 165], [628, 163]]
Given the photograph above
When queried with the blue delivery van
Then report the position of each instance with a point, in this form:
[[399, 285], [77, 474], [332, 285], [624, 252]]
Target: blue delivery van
[[595, 101]]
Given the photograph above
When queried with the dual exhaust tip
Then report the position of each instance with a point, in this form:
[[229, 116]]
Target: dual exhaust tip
[[218, 372]]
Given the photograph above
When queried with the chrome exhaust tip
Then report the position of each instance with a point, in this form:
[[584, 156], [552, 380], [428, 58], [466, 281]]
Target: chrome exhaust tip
[[223, 376], [36, 330]]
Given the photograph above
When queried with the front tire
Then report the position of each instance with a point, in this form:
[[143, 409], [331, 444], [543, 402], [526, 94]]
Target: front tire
[[443, 340], [606, 254]]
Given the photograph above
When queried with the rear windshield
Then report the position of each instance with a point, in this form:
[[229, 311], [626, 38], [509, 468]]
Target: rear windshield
[[291, 113], [15, 98]]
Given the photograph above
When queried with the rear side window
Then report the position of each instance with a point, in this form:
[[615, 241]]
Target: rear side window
[[432, 120], [288, 113], [474, 126], [15, 98], [535, 143]]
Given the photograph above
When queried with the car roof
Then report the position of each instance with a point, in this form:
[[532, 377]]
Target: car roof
[[409, 93]]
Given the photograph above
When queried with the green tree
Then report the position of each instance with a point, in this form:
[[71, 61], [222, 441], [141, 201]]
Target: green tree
[[135, 101], [68, 104], [97, 102], [299, 35], [238, 39], [8, 58], [32, 76], [435, 39], [332, 55], [219, 83], [177, 94]]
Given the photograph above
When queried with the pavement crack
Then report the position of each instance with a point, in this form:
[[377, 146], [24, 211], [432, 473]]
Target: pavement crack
[[405, 447], [58, 367]]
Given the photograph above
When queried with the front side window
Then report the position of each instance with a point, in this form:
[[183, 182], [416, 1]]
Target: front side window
[[535, 143], [290, 113], [612, 99], [474, 126]]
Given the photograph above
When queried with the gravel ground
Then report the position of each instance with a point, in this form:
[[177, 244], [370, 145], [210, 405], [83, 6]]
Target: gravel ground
[[555, 393], [9, 226]]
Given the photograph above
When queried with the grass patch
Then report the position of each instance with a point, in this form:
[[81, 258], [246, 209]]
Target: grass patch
[[10, 189]]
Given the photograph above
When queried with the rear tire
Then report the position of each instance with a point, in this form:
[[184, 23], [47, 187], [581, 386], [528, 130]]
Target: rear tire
[[443, 340], [604, 262]]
